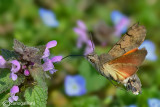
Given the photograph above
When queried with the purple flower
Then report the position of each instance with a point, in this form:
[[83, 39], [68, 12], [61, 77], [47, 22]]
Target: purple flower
[[56, 59], [26, 72], [13, 91], [75, 85], [89, 48], [120, 21], [48, 17], [150, 46], [13, 76], [15, 68], [81, 31], [48, 46], [2, 62], [154, 102], [48, 63]]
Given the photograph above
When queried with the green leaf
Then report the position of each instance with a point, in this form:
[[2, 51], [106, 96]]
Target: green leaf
[[6, 82], [36, 95], [94, 80], [38, 75], [7, 54], [4, 98]]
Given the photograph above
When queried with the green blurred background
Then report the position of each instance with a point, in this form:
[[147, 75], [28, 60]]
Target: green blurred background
[[20, 19]]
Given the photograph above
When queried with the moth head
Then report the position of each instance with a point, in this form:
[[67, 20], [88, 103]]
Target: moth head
[[93, 58]]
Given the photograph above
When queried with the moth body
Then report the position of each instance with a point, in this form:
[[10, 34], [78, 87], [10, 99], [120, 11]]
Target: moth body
[[98, 61]]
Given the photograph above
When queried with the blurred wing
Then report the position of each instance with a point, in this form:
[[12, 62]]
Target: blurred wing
[[135, 57], [126, 65], [102, 33], [131, 40], [122, 71]]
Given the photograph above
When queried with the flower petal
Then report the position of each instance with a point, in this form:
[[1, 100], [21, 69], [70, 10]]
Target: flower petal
[[46, 53], [154, 102], [13, 76], [150, 46], [26, 72], [48, 65], [52, 71], [116, 17], [56, 59], [81, 25], [51, 44], [14, 89], [2, 62], [122, 26], [15, 98], [10, 99], [15, 66], [89, 48], [48, 17], [75, 85]]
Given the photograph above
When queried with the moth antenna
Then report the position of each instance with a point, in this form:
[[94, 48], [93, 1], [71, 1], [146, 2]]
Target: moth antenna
[[91, 38]]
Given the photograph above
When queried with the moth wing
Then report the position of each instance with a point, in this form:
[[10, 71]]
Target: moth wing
[[135, 57], [122, 71], [131, 40], [102, 32], [125, 65]]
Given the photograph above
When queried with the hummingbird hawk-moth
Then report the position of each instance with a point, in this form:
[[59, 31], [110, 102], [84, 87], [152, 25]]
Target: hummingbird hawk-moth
[[122, 61]]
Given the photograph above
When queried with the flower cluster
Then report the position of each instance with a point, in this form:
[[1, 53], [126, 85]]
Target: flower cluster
[[13, 91], [75, 85], [48, 63], [15, 67], [81, 31], [23, 67], [48, 17], [120, 22]]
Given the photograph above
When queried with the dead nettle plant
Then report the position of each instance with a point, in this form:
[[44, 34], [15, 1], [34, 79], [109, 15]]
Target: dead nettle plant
[[23, 72]]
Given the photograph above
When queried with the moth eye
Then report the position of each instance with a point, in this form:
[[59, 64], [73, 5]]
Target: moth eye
[[92, 60]]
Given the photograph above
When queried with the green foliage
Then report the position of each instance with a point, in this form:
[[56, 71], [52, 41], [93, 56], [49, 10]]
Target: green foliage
[[3, 97], [94, 81], [7, 54], [91, 101], [38, 75], [36, 95], [6, 82]]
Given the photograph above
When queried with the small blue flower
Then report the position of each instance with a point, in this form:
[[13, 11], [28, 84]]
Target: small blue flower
[[150, 46], [120, 21], [75, 85], [48, 17], [154, 102]]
